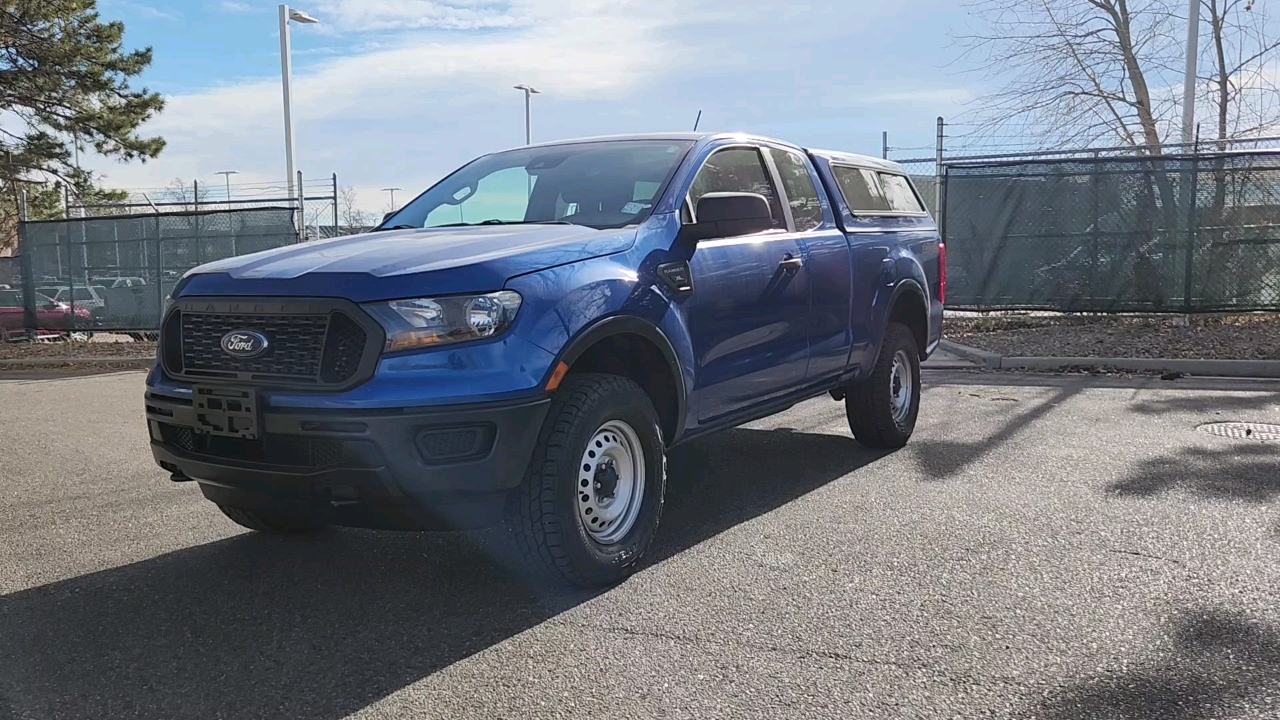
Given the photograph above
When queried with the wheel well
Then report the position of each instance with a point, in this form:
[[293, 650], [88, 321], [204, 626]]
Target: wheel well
[[909, 310], [637, 358]]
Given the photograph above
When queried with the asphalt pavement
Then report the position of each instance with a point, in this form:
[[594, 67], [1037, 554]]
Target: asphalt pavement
[[1046, 547]]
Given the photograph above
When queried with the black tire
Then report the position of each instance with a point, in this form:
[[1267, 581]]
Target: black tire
[[268, 522], [543, 512], [870, 404]]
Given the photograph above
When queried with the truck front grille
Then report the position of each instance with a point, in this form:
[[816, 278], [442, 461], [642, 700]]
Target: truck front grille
[[309, 343], [296, 344]]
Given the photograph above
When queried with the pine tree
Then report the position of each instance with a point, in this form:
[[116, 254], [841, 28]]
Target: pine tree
[[65, 84]]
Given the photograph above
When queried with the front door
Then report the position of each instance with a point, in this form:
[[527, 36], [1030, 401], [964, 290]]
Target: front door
[[749, 309]]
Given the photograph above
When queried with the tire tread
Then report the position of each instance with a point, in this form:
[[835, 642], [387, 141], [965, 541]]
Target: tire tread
[[532, 510], [867, 403]]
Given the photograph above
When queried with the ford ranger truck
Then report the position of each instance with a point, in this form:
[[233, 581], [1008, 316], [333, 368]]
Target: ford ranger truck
[[525, 340]]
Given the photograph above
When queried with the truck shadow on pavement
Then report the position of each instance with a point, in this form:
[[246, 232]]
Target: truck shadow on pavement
[[1215, 663], [262, 627]]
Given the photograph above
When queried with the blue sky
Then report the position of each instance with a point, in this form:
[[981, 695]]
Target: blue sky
[[400, 92]]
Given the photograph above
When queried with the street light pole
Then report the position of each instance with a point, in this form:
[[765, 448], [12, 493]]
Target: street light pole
[[227, 175], [1189, 79], [286, 72], [528, 92], [393, 196]]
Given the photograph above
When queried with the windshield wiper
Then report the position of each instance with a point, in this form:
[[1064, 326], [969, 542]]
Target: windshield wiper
[[398, 227]]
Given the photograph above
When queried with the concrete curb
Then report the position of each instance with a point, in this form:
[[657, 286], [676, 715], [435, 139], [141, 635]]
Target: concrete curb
[[1208, 368], [981, 358], [52, 361]]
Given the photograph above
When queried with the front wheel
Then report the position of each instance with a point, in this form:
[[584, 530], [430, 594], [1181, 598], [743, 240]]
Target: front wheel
[[882, 409], [590, 502]]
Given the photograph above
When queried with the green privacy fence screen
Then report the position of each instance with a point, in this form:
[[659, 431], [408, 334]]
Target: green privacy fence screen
[[113, 273], [1191, 233]]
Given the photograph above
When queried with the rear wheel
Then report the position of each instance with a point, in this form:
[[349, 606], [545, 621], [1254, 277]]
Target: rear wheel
[[882, 409], [269, 522], [590, 502]]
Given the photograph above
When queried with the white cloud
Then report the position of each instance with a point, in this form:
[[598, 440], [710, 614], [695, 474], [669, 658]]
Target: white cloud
[[147, 11], [363, 15], [403, 108], [233, 6]]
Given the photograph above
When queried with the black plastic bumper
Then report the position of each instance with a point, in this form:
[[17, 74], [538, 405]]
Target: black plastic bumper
[[442, 468]]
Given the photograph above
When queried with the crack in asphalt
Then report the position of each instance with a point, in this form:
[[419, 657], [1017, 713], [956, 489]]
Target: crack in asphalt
[[802, 653]]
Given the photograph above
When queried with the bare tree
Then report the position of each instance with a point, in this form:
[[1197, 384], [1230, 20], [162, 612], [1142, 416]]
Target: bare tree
[[186, 196], [1241, 85], [1075, 72], [349, 213]]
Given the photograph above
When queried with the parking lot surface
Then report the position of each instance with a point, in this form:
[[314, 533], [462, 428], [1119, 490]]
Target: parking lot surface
[[1046, 547]]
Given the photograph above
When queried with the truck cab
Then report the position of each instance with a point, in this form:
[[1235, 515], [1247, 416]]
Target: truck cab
[[524, 341]]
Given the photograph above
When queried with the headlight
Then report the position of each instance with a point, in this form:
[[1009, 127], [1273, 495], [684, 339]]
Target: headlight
[[424, 322]]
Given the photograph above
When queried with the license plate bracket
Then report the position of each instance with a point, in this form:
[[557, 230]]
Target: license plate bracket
[[226, 411]]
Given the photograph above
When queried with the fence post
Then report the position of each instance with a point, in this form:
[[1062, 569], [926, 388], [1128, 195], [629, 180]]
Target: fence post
[[1094, 237], [159, 276], [195, 220], [25, 252], [302, 210], [336, 232], [1192, 197], [884, 145], [938, 175]]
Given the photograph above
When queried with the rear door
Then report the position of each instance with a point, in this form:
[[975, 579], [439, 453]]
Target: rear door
[[826, 251], [871, 234], [748, 314]]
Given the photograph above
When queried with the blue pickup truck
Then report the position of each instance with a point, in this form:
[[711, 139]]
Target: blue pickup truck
[[524, 341]]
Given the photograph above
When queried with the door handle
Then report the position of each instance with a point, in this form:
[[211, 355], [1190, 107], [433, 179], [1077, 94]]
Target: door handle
[[791, 263]]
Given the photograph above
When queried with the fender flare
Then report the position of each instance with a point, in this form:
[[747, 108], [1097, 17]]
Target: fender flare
[[906, 285], [624, 325]]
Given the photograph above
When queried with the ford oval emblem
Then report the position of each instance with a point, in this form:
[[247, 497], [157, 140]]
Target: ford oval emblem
[[244, 344]]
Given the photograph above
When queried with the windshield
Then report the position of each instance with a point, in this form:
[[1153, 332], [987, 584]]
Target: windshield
[[602, 185]]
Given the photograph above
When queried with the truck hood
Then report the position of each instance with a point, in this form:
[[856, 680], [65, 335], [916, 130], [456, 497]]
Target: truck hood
[[406, 263]]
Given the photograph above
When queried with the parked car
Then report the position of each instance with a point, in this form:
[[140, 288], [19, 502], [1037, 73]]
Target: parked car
[[52, 317], [89, 296], [118, 282], [526, 339]]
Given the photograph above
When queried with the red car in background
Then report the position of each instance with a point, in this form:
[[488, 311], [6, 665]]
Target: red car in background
[[52, 317]]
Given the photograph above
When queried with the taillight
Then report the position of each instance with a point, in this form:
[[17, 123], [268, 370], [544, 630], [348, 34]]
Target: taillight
[[942, 272]]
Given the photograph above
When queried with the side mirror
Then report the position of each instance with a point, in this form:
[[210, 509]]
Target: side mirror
[[729, 214]]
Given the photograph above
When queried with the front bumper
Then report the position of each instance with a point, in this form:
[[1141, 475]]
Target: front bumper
[[413, 468]]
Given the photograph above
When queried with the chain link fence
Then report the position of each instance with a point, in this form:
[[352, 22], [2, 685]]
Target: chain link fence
[[113, 273], [1187, 233]]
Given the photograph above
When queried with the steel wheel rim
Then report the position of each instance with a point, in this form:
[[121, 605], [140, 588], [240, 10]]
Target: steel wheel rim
[[610, 484], [900, 387]]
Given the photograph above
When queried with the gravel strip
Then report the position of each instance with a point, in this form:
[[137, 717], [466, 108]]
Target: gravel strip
[[94, 348], [1210, 337]]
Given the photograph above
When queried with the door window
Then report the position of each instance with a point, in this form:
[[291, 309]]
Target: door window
[[802, 196], [861, 190], [737, 169]]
